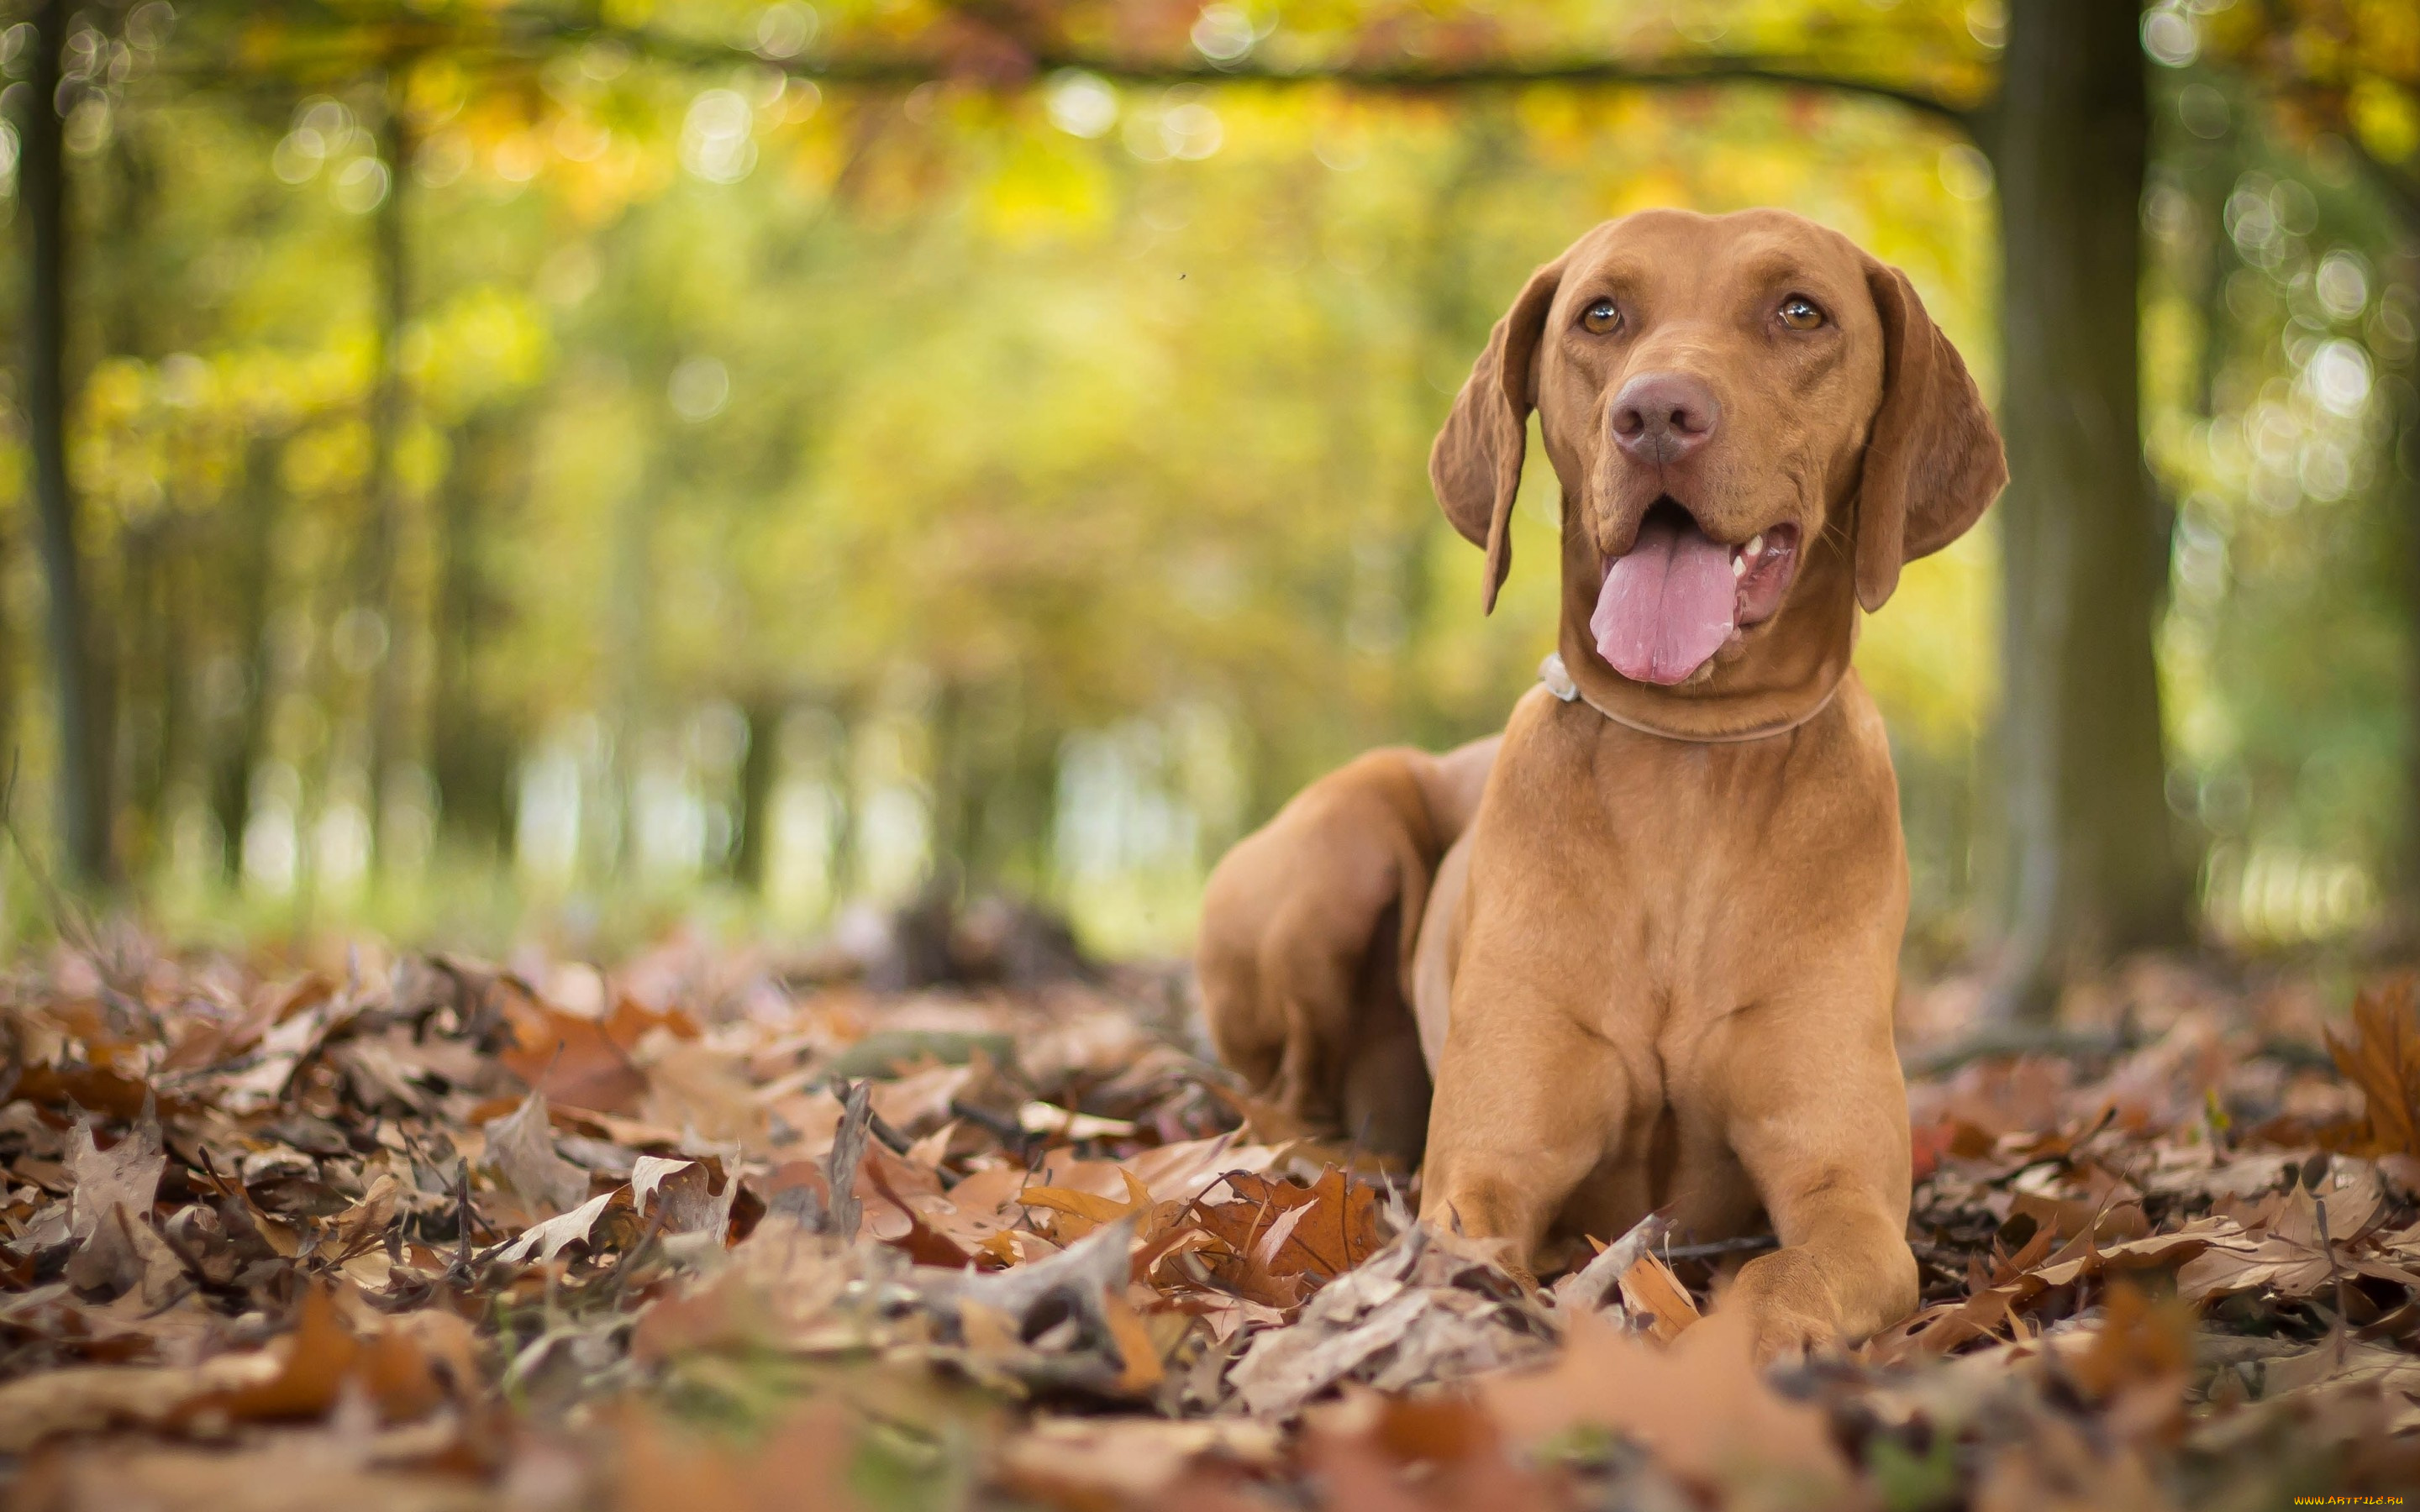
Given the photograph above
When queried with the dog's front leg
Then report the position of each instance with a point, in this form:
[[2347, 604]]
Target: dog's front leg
[[1817, 1114], [1527, 1102]]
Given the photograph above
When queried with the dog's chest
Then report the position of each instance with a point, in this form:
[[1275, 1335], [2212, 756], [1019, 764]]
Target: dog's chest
[[1671, 886]]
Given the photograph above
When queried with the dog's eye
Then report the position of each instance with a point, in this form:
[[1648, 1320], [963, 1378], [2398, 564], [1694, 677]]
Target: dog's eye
[[1800, 314], [1600, 316]]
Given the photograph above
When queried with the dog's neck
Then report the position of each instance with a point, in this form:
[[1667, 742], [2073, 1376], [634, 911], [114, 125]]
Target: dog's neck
[[1782, 675]]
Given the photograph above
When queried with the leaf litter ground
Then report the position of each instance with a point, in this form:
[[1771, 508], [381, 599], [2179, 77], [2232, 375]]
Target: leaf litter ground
[[720, 1230]]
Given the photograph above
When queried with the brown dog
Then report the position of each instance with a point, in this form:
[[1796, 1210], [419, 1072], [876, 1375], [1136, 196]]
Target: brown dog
[[1657, 971]]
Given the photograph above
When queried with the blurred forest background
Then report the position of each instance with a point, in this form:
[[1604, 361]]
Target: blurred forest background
[[571, 465]]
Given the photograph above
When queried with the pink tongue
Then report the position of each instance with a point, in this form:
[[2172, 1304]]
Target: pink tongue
[[1668, 606]]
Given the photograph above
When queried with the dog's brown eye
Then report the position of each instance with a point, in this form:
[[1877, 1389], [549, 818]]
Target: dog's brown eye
[[1600, 316], [1800, 314]]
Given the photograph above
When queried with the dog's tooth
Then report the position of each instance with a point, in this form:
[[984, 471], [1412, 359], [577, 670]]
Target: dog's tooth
[[1755, 545], [1739, 567]]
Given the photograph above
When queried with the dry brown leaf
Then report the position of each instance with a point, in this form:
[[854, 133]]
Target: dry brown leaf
[[977, 1210], [1139, 1356], [2381, 1056], [695, 1087], [1428, 1308], [1129, 1461], [1438, 1453], [550, 1239], [295, 1471], [1649, 1289], [922, 1242], [632, 1021], [315, 1361], [520, 1147], [803, 1461], [125, 1176], [2060, 1470], [1182, 1172], [2138, 1362], [569, 1059], [89, 1398], [365, 1222], [1282, 1239], [319, 1140], [1700, 1404], [1082, 1212]]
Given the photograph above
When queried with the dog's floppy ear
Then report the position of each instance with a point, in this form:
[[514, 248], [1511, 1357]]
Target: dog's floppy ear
[[1934, 463], [1476, 464]]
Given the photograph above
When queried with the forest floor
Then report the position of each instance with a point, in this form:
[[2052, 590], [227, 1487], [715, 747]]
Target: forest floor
[[420, 1232]]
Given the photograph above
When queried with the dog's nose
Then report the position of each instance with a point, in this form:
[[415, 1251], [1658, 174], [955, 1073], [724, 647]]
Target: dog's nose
[[1662, 417]]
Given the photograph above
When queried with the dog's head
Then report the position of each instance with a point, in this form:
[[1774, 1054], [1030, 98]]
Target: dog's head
[[1714, 393]]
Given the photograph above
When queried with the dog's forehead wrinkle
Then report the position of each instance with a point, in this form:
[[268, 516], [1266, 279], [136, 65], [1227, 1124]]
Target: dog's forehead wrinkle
[[1780, 260], [1706, 250], [1615, 273]]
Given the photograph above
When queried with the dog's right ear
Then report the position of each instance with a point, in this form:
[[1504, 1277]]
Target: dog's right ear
[[1476, 464]]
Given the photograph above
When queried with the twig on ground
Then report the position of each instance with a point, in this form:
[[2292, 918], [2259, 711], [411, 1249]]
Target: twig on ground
[[1750, 1244], [1997, 1040]]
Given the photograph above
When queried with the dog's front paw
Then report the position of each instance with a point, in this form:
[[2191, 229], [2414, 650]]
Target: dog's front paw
[[1781, 1337], [1790, 1312]]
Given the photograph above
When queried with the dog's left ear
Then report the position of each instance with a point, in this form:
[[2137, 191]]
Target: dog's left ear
[[1934, 463]]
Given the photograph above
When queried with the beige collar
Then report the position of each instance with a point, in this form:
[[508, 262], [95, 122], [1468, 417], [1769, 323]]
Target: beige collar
[[1552, 672]]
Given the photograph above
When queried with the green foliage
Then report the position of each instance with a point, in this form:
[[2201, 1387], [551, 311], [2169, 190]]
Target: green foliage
[[802, 485], [2279, 334]]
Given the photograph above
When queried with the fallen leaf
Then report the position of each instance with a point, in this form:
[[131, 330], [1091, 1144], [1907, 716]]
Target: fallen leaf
[[1322, 1230], [90, 1399], [125, 1176], [522, 1149], [570, 1059], [1130, 1461], [1651, 1291], [1424, 1309], [549, 1239], [1059, 1123], [1700, 1405], [2381, 1056], [802, 1462], [1374, 1451], [315, 1361]]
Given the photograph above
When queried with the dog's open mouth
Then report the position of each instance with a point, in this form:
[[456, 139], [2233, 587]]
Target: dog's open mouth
[[1679, 595]]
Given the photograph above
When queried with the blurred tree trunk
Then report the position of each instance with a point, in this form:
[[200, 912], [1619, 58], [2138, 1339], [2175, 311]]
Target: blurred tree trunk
[[2402, 462], [146, 670], [11, 657], [955, 783], [82, 772], [471, 748], [842, 867], [751, 840], [145, 686], [2095, 868], [391, 260], [995, 779], [612, 845], [1031, 793], [244, 714]]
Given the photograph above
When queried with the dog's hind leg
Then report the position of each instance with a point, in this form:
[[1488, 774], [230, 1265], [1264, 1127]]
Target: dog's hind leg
[[1307, 934], [1310, 968], [1386, 1080]]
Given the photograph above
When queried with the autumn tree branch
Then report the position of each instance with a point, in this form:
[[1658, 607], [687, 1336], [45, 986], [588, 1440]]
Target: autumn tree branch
[[989, 56]]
